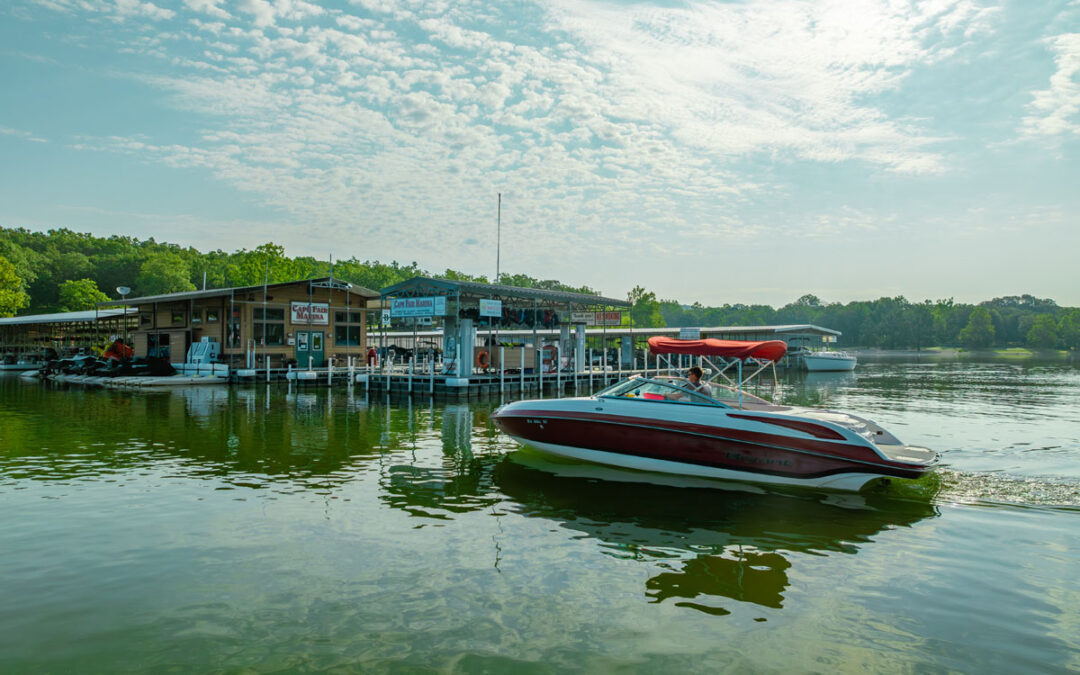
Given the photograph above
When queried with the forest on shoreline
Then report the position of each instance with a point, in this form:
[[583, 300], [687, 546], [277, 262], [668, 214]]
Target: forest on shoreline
[[61, 270]]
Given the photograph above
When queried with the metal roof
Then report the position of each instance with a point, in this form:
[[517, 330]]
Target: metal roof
[[617, 331], [66, 317], [429, 286], [789, 328], [215, 292]]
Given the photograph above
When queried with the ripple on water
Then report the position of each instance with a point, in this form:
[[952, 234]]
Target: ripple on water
[[997, 487]]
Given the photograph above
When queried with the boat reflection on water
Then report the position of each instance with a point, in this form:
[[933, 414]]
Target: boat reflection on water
[[711, 544]]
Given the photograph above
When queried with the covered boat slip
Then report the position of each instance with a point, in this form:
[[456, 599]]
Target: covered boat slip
[[493, 337], [627, 343], [26, 340]]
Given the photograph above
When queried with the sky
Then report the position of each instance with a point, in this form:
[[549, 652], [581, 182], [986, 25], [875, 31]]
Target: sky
[[713, 152]]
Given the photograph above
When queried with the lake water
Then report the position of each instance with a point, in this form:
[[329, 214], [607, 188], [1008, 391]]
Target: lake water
[[260, 529]]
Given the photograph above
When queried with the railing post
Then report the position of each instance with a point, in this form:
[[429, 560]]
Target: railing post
[[521, 370], [502, 371], [558, 370]]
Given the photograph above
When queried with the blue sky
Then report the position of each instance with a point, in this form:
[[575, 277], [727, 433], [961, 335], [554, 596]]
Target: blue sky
[[712, 152]]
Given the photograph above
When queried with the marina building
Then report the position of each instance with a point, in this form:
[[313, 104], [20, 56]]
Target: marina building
[[299, 323]]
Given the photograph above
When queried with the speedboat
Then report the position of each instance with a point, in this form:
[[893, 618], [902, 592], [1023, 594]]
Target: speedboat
[[829, 361], [657, 424]]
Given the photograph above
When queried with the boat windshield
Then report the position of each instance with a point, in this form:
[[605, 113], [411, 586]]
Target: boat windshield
[[644, 389]]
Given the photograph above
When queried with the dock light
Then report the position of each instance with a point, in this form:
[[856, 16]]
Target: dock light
[[123, 291]]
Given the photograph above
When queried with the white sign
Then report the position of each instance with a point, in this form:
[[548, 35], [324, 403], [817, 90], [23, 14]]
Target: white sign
[[689, 333], [405, 307], [490, 307], [386, 317], [597, 318], [316, 313]]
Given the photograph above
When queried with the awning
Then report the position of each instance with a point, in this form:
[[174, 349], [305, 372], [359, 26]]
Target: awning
[[770, 350]]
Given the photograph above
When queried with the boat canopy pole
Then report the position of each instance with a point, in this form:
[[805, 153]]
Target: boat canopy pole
[[740, 384]]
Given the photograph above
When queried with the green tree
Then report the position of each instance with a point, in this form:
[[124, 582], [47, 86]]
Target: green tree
[[163, 272], [1069, 329], [645, 309], [922, 324], [79, 295], [267, 262], [1043, 333], [454, 275], [979, 331], [12, 296]]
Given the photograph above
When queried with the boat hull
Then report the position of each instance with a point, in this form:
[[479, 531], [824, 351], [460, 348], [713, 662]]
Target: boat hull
[[852, 481], [817, 364]]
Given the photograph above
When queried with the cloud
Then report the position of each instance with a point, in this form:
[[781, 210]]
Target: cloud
[[210, 7], [19, 133], [796, 78], [619, 124], [1055, 112], [119, 10]]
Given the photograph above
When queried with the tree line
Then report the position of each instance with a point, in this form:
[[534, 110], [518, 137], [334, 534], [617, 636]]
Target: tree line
[[897, 323], [61, 270], [65, 271]]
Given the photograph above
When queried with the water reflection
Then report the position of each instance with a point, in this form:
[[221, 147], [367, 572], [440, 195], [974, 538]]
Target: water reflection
[[257, 435], [712, 545]]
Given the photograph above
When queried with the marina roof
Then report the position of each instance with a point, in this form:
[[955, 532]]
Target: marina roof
[[66, 317], [323, 282], [615, 331], [423, 286]]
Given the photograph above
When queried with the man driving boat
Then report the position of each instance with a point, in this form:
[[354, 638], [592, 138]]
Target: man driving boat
[[693, 383]]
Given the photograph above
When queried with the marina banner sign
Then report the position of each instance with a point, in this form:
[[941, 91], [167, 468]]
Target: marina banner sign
[[406, 307], [597, 318], [315, 313], [490, 307]]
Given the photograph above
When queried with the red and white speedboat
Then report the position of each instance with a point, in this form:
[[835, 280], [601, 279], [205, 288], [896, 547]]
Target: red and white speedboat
[[655, 424]]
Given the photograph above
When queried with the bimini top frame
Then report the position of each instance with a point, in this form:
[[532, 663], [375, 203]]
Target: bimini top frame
[[723, 355]]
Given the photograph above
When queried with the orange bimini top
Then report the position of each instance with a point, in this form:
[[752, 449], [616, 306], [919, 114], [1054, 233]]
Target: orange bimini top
[[119, 352], [769, 350]]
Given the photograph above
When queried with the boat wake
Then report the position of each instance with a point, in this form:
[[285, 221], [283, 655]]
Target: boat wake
[[1002, 488]]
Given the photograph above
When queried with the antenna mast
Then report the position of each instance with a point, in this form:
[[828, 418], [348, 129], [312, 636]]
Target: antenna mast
[[498, 239]]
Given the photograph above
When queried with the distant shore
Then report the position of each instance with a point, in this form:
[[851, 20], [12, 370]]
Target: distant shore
[[957, 352]]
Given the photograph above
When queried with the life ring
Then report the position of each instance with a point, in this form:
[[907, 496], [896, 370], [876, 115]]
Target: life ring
[[483, 360]]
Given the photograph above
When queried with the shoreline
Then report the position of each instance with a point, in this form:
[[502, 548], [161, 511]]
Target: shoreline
[[958, 352]]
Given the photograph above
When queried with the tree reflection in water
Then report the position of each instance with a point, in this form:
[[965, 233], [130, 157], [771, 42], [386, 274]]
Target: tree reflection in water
[[712, 540]]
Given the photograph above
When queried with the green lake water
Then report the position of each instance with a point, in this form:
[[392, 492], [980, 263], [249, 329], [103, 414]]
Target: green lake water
[[263, 529]]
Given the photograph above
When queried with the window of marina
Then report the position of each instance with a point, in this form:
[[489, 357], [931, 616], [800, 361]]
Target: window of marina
[[348, 328], [273, 324]]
